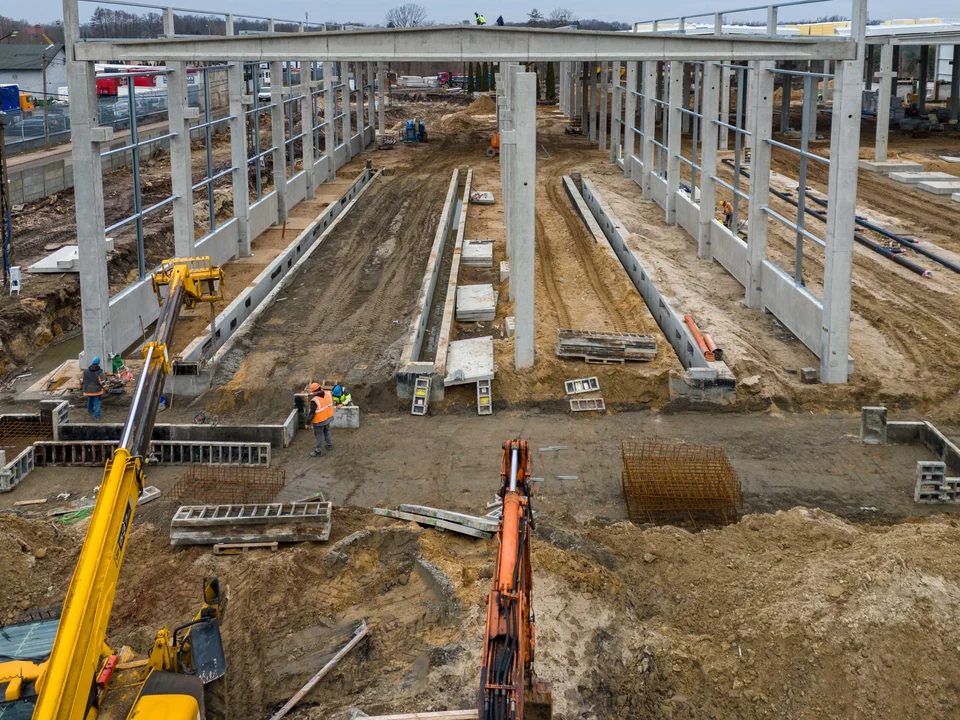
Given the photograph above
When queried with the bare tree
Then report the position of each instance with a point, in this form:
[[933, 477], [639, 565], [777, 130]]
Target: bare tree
[[563, 16], [407, 15]]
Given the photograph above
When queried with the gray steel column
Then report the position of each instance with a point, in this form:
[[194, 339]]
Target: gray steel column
[[785, 91], [674, 91], [306, 125], [330, 129], [955, 86], [710, 107], [841, 220], [883, 102], [278, 136], [650, 72], [603, 100], [630, 118], [86, 136], [760, 124], [238, 156], [345, 108], [592, 98], [522, 264], [725, 74]]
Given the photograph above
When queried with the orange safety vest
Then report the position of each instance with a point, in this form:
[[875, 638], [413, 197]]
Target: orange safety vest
[[322, 408]]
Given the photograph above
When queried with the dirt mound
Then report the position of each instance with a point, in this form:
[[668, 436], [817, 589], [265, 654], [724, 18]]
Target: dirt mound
[[458, 121], [483, 105]]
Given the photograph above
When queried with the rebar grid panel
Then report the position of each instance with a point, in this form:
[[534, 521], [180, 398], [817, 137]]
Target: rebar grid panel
[[230, 485], [17, 435], [678, 483]]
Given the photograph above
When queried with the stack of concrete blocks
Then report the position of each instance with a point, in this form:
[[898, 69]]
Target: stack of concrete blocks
[[873, 425], [933, 486]]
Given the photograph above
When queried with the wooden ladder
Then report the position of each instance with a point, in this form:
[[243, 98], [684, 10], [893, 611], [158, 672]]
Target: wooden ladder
[[421, 396], [484, 398]]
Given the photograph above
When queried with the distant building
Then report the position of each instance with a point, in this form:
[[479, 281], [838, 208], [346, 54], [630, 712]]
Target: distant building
[[23, 65]]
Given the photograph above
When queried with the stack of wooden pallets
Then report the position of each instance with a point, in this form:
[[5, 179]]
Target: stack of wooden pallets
[[601, 347]]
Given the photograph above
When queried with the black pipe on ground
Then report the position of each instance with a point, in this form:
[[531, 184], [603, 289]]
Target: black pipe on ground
[[865, 241]]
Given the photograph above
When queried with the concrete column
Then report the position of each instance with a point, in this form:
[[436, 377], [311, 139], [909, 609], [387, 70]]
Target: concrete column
[[841, 221], [747, 102], [345, 109], [771, 20], [883, 102], [761, 126], [168, 22], [592, 98], [724, 133], [279, 135], [810, 106], [238, 156], [381, 119], [330, 129], [603, 100], [617, 112], [674, 132], [955, 86], [229, 24], [358, 74], [785, 102], [575, 90], [685, 98], [710, 104], [181, 165], [271, 26], [717, 24], [86, 135], [584, 91], [523, 261], [306, 124], [827, 90], [650, 73], [371, 101], [630, 118], [924, 69]]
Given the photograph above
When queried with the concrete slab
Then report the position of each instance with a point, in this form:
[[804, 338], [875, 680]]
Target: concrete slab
[[956, 197], [940, 187], [889, 166], [912, 178], [66, 259], [469, 361], [481, 197], [477, 253], [476, 303], [950, 159]]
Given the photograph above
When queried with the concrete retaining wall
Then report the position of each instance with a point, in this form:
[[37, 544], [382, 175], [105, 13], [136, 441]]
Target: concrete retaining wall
[[263, 214], [729, 251], [688, 214], [658, 190], [296, 188]]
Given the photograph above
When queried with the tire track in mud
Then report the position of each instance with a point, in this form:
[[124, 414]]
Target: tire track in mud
[[545, 266]]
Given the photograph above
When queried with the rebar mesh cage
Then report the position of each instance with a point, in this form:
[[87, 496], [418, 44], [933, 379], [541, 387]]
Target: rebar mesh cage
[[228, 485], [680, 483]]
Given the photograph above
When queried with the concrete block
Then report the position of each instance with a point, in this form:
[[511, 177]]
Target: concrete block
[[873, 425], [950, 159], [956, 197], [940, 187], [808, 375], [912, 178], [101, 134], [347, 418], [510, 326], [889, 166], [480, 197], [505, 264]]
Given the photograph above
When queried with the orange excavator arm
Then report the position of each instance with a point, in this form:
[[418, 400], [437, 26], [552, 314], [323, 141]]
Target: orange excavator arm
[[508, 687]]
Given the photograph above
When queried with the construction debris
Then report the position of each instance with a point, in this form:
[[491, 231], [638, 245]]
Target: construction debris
[[358, 635], [22, 503], [605, 347], [481, 197], [668, 483], [581, 385], [269, 522], [436, 522], [238, 548], [477, 523], [552, 448]]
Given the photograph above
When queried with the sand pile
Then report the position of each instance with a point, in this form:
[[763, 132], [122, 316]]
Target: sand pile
[[483, 105]]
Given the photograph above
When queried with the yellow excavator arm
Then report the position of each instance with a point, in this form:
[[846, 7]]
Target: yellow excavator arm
[[72, 682]]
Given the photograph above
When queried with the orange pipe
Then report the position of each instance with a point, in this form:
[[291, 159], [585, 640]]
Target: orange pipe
[[695, 331]]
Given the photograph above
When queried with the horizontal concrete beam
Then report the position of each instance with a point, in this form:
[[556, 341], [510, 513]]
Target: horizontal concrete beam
[[460, 43]]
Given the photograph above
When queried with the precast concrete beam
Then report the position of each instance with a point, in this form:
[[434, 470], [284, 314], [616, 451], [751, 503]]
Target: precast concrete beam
[[462, 43], [841, 221], [522, 264], [760, 117]]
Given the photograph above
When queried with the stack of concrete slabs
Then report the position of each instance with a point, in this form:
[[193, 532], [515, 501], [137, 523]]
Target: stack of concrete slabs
[[477, 253], [469, 361], [476, 303]]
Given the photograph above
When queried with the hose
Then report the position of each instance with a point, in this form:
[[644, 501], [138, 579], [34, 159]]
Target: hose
[[866, 242]]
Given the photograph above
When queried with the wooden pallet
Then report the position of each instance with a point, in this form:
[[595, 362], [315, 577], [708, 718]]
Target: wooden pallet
[[237, 548], [587, 404], [602, 347], [421, 396], [484, 398], [581, 385], [599, 360]]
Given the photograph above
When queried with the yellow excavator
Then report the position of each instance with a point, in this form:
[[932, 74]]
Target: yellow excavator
[[59, 666]]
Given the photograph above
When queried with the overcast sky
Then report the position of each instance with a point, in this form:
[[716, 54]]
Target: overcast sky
[[372, 11]]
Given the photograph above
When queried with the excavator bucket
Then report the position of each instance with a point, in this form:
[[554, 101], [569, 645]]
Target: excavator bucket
[[207, 650]]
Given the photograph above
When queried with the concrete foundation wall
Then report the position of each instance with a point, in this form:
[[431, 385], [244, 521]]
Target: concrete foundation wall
[[688, 215], [244, 305], [658, 189], [296, 188], [135, 304], [263, 214], [221, 245], [729, 251]]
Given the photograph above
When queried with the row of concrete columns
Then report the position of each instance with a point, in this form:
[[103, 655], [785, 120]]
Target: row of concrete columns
[[757, 102], [517, 119]]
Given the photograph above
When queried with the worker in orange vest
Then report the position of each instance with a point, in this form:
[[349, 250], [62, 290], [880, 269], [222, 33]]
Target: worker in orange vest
[[322, 406]]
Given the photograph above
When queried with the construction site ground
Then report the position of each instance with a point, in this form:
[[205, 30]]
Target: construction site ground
[[848, 610]]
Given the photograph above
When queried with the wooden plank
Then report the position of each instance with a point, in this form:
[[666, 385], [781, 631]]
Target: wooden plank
[[456, 527], [477, 523], [441, 715], [237, 548], [311, 683], [22, 503]]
